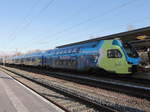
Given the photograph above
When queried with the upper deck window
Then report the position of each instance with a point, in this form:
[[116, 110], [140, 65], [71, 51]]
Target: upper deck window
[[57, 53], [69, 51], [60, 52], [74, 50], [65, 51], [94, 45]]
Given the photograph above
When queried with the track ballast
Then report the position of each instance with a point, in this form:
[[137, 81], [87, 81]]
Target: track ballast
[[82, 95]]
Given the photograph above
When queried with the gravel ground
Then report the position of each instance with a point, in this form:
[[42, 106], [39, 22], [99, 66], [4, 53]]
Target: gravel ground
[[105, 96], [68, 103]]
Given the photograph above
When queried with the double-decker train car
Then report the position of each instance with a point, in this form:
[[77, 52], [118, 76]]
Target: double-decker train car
[[109, 55]]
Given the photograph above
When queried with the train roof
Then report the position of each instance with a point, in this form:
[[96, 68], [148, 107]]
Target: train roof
[[27, 55], [129, 36]]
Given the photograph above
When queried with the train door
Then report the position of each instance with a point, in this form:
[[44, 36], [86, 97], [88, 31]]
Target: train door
[[43, 61]]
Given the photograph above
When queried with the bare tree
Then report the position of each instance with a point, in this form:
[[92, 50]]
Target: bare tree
[[18, 53], [33, 51]]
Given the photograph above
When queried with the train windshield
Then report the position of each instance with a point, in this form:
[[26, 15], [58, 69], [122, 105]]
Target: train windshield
[[130, 50]]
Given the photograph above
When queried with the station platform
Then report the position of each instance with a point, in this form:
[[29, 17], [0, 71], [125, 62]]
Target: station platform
[[15, 97]]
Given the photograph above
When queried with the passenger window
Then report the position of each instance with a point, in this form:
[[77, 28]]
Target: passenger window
[[74, 50], [114, 53], [60, 52], [65, 51], [69, 51], [78, 50], [94, 45], [57, 52]]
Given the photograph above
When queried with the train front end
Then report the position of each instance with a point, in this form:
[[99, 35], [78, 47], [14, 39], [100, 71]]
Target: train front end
[[118, 57]]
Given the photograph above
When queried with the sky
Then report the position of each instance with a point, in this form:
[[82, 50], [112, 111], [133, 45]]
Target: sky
[[44, 24]]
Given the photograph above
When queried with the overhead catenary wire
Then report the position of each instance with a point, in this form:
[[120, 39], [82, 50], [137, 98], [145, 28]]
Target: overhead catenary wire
[[135, 20], [91, 34], [13, 33], [66, 19], [86, 21], [76, 13], [31, 20], [89, 20], [28, 23]]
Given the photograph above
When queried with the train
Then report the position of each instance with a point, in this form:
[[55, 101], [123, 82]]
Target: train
[[113, 56]]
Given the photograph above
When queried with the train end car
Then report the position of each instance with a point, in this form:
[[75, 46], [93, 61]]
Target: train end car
[[110, 55], [118, 57]]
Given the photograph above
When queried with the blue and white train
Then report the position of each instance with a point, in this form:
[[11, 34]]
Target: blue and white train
[[110, 55]]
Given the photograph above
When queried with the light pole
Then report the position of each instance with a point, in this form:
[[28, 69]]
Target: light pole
[[4, 61]]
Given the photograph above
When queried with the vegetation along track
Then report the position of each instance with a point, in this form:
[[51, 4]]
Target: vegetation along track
[[99, 98]]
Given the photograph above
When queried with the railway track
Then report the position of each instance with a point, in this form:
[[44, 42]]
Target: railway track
[[84, 95], [64, 98], [118, 84], [97, 75]]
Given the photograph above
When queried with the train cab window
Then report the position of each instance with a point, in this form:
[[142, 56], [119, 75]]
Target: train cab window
[[114, 53]]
